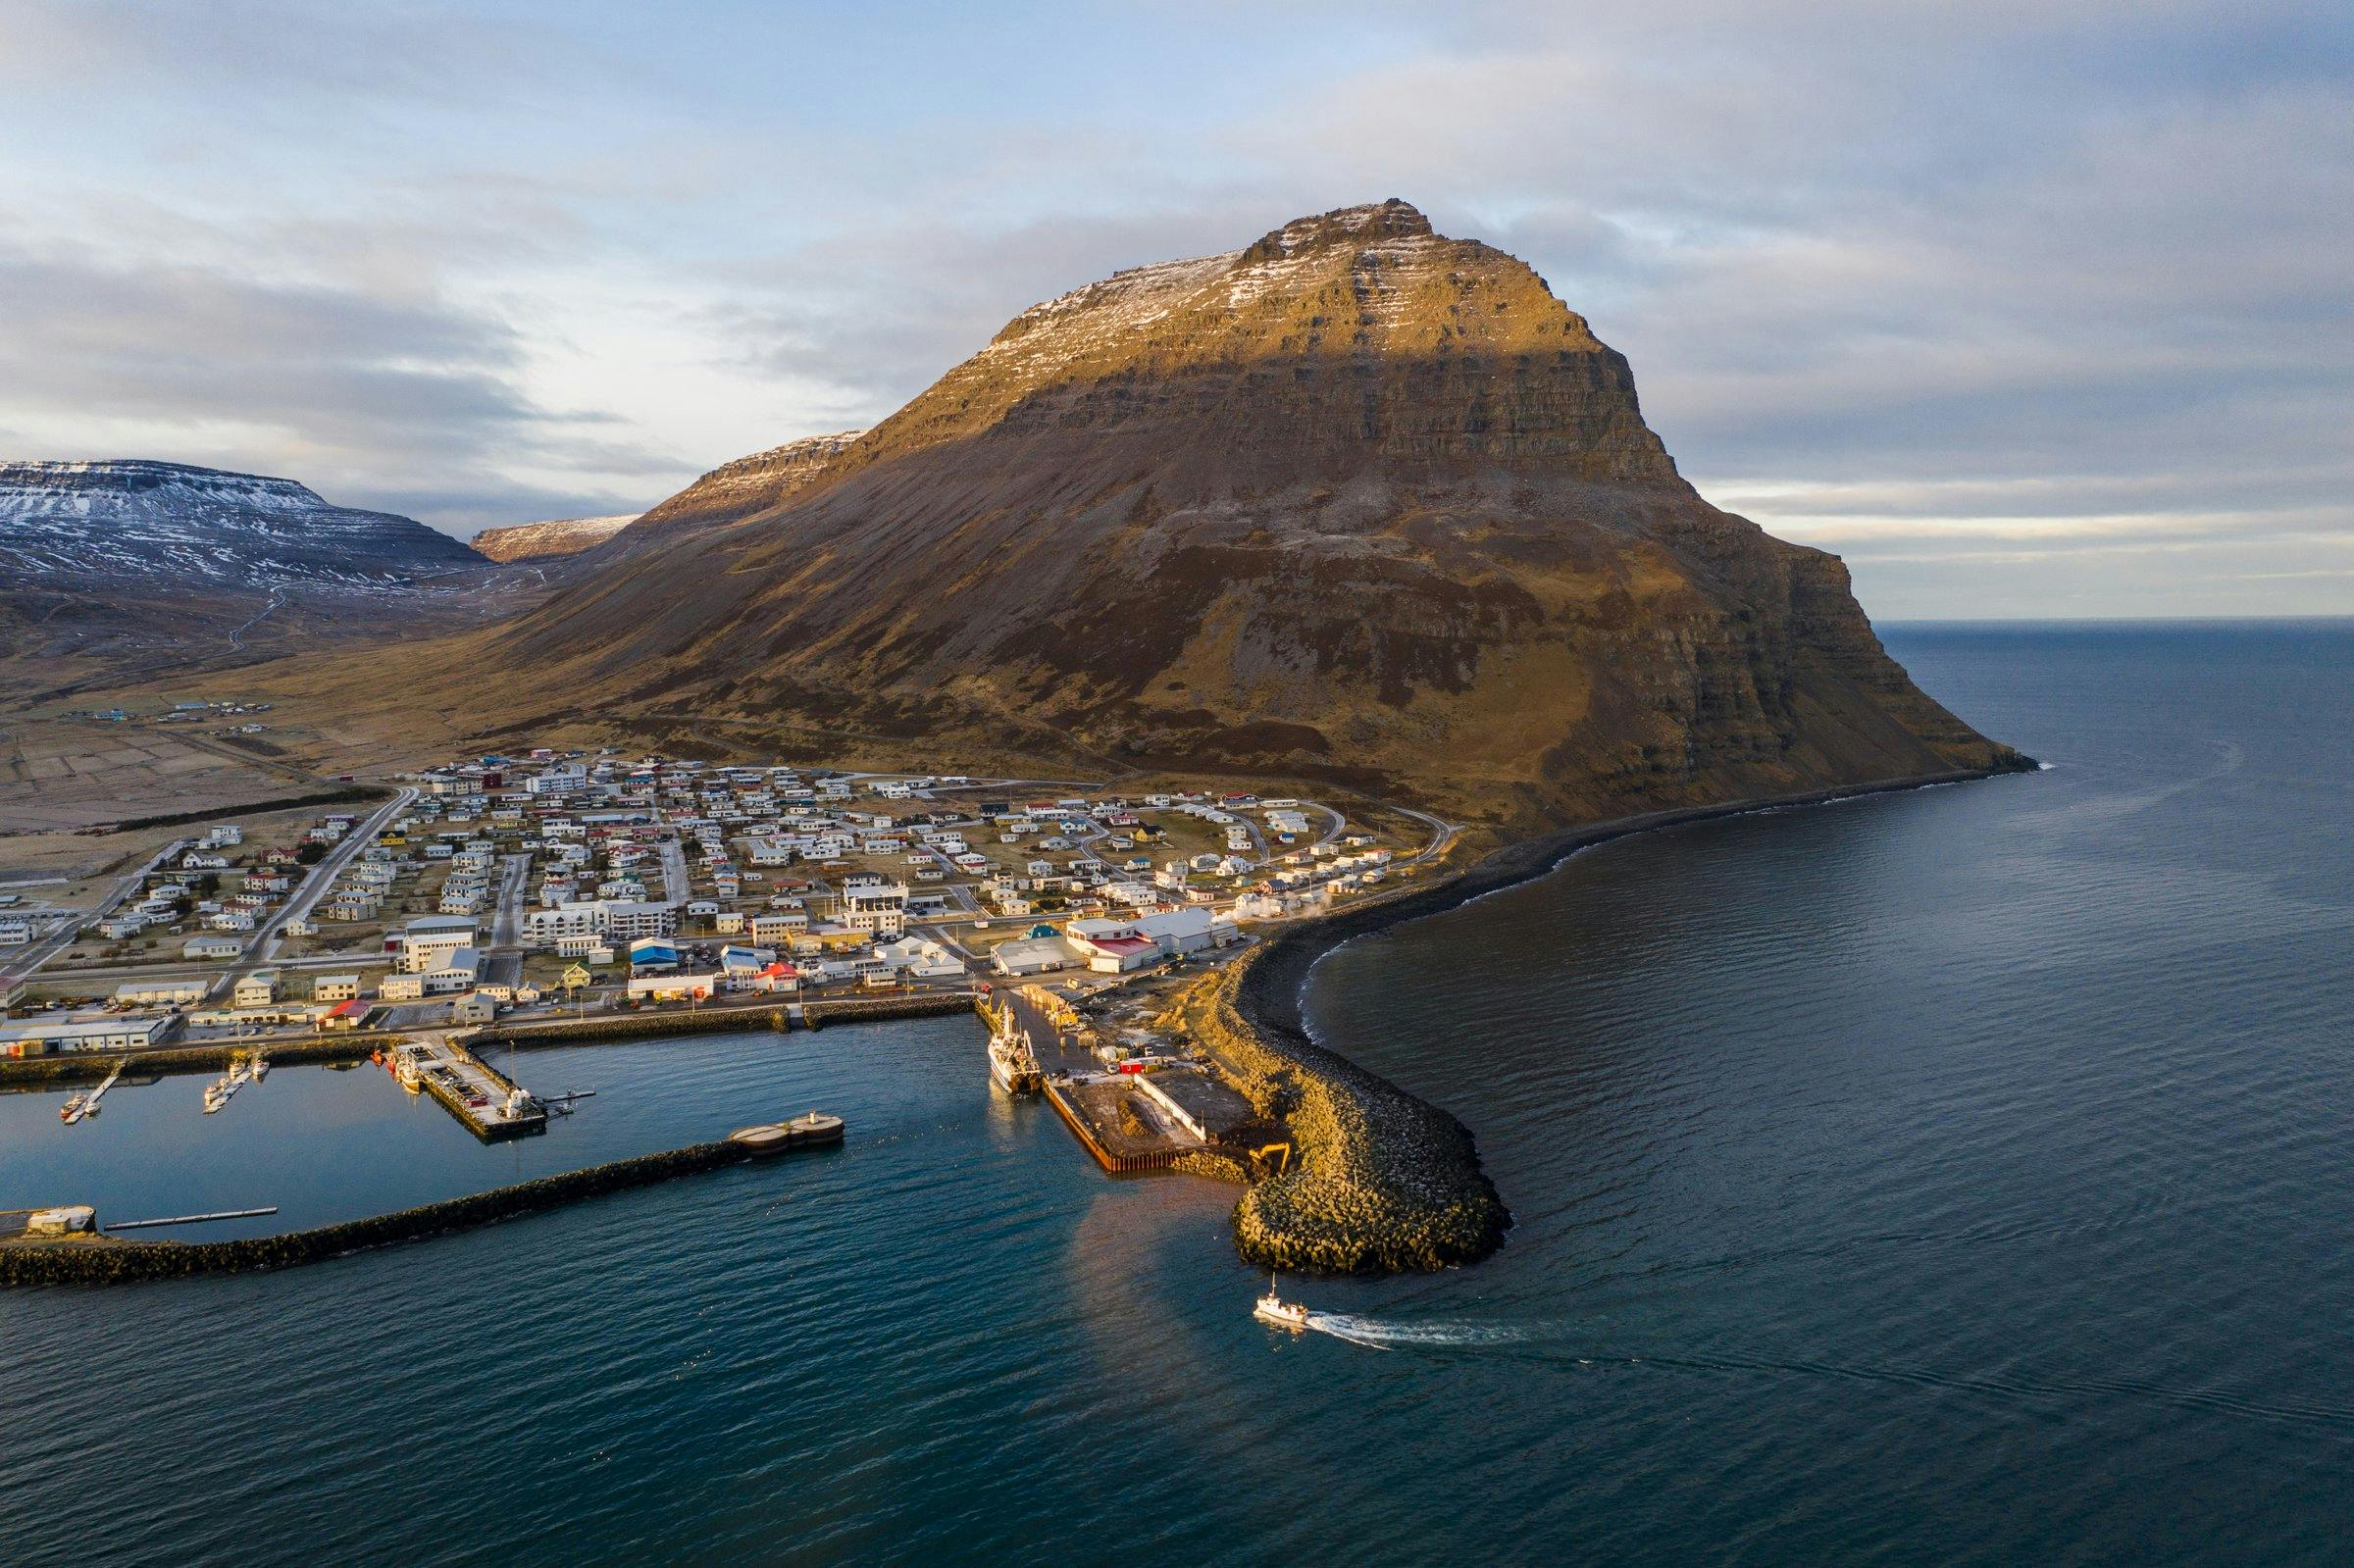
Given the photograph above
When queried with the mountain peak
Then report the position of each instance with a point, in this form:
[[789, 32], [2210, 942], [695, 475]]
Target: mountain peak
[[1356, 500], [1343, 225]]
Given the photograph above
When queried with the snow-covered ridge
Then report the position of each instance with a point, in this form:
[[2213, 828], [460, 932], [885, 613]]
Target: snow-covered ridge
[[136, 520], [563, 535]]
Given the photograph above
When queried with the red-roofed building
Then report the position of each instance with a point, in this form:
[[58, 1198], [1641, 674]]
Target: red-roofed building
[[1113, 955]]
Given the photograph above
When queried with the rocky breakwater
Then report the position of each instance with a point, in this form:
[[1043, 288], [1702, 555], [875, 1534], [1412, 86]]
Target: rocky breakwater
[[1379, 1182]]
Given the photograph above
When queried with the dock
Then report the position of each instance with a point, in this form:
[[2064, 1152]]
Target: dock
[[1144, 1115], [485, 1102]]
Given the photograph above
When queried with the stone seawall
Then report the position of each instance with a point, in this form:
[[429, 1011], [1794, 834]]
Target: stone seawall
[[108, 1262], [1382, 1182], [628, 1026]]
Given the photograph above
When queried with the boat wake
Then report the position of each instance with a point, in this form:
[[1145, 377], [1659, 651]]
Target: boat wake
[[1374, 1334]]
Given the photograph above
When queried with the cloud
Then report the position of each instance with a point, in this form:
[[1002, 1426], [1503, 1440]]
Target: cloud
[[364, 394], [1914, 277]]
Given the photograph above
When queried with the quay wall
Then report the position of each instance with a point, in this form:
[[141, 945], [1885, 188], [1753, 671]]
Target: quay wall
[[80, 1067], [109, 1262], [628, 1026]]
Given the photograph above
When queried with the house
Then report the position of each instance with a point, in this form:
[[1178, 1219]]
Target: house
[[335, 987], [257, 990], [458, 971], [476, 1007], [875, 907], [778, 927], [674, 988], [623, 919], [211, 947], [400, 987], [430, 940], [577, 976]]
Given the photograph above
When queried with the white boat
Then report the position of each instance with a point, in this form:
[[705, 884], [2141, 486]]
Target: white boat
[[1275, 1310], [75, 1109], [238, 1076], [261, 1067]]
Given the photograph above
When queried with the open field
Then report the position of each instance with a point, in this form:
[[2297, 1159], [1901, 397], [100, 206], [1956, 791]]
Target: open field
[[61, 774]]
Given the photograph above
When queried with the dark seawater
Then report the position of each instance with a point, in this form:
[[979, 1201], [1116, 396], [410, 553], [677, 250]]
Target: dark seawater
[[1957, 1176]]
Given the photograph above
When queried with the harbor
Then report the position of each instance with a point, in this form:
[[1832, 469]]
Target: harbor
[[1132, 1103]]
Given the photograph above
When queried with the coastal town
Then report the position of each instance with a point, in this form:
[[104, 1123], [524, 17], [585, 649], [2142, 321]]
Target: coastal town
[[566, 894]]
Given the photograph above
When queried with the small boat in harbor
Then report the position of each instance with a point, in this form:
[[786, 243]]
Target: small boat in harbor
[[1274, 1310], [261, 1067], [218, 1095], [84, 1106]]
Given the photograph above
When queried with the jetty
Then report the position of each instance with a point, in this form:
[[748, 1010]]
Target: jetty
[[488, 1103]]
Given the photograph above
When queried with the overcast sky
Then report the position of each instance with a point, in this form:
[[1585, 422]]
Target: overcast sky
[[2024, 308]]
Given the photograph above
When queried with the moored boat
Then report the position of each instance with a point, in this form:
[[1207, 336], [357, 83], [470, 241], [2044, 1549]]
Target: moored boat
[[1012, 1064]]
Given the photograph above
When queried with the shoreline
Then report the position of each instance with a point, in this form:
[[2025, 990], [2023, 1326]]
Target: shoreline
[[1387, 1181], [1289, 956]]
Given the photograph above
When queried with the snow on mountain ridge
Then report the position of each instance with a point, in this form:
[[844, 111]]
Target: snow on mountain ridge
[[140, 520]]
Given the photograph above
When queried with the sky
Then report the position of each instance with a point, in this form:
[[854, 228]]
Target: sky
[[2025, 309]]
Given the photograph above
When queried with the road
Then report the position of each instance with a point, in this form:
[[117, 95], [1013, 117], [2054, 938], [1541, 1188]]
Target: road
[[305, 898], [505, 955], [674, 871], [28, 963]]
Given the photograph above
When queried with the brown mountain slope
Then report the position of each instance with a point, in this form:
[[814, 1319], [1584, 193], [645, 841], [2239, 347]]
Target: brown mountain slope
[[1358, 501]]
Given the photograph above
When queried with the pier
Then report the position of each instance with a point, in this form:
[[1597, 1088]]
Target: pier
[[490, 1105]]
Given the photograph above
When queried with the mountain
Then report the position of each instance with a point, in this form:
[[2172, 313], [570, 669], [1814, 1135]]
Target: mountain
[[166, 522], [1355, 502], [750, 484], [550, 541], [132, 565]]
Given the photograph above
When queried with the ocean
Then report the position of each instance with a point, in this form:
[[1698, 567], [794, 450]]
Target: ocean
[[1957, 1175]]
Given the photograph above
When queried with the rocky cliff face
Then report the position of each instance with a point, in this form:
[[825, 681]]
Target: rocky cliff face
[[1357, 501], [552, 541]]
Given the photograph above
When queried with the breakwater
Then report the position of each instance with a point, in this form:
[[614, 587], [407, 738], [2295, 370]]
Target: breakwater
[[105, 1262], [1383, 1182]]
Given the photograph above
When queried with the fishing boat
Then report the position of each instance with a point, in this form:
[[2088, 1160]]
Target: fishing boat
[[1273, 1309], [1012, 1065], [261, 1067]]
